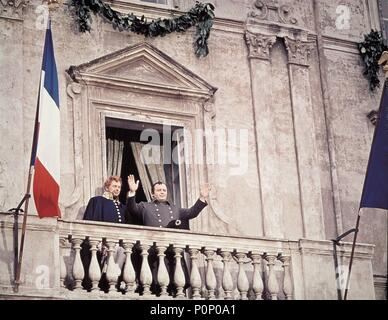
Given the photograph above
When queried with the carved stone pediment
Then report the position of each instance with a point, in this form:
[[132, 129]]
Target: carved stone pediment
[[142, 67], [144, 70]]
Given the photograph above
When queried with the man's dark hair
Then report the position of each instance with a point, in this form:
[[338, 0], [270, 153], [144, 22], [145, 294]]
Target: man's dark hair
[[156, 183]]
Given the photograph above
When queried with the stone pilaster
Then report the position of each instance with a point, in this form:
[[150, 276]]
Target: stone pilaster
[[259, 46], [305, 137]]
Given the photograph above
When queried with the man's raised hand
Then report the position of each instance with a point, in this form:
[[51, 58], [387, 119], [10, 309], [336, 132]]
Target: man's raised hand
[[204, 191], [133, 186]]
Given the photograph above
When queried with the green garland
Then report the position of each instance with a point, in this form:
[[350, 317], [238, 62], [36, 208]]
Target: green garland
[[201, 15], [371, 50]]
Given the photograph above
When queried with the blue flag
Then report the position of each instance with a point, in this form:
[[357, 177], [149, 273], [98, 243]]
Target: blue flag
[[375, 191]]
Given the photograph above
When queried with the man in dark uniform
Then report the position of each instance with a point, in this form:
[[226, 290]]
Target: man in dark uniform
[[106, 208], [163, 214]]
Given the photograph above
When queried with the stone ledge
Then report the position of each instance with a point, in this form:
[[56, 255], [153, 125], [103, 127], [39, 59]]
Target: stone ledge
[[33, 222], [325, 247], [340, 44], [72, 295]]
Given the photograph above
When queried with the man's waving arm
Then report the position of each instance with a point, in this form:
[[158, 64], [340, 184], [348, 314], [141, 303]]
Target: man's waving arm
[[187, 214], [133, 209]]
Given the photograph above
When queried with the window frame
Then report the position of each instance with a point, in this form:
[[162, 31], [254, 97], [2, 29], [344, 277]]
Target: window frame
[[170, 4], [137, 122], [184, 99]]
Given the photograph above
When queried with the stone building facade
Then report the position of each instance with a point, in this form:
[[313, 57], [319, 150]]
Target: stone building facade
[[287, 73]]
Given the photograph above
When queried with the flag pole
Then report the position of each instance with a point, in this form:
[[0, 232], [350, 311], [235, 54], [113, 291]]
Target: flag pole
[[28, 194], [29, 181], [352, 255], [24, 225]]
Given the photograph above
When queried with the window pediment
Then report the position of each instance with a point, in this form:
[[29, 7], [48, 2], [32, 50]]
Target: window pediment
[[142, 67]]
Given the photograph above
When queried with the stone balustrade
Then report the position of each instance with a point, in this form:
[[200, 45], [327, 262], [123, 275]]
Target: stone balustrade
[[104, 260], [94, 260]]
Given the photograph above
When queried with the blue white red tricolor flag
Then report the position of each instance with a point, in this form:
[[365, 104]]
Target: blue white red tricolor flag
[[45, 150], [375, 191]]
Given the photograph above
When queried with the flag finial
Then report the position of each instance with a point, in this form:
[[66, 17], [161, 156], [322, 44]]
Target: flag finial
[[52, 4]]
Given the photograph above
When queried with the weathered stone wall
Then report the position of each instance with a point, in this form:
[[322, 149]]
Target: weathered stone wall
[[12, 174], [348, 100]]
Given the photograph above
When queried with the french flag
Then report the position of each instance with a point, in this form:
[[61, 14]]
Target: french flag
[[375, 190], [45, 149]]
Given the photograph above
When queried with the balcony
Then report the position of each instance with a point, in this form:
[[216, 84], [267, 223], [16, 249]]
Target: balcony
[[219, 267]]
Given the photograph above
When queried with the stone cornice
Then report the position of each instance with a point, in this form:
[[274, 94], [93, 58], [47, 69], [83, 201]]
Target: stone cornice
[[229, 25], [117, 110], [154, 12], [259, 45], [149, 10], [138, 86], [12, 9], [341, 45], [220, 24], [280, 29], [380, 281]]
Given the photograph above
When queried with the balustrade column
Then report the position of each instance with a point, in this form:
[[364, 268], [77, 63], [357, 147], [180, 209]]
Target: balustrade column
[[64, 244], [195, 276], [162, 276], [145, 271], [273, 286], [242, 279], [179, 276], [129, 275], [112, 274], [78, 268], [227, 280], [211, 281], [94, 268], [287, 282], [257, 282]]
